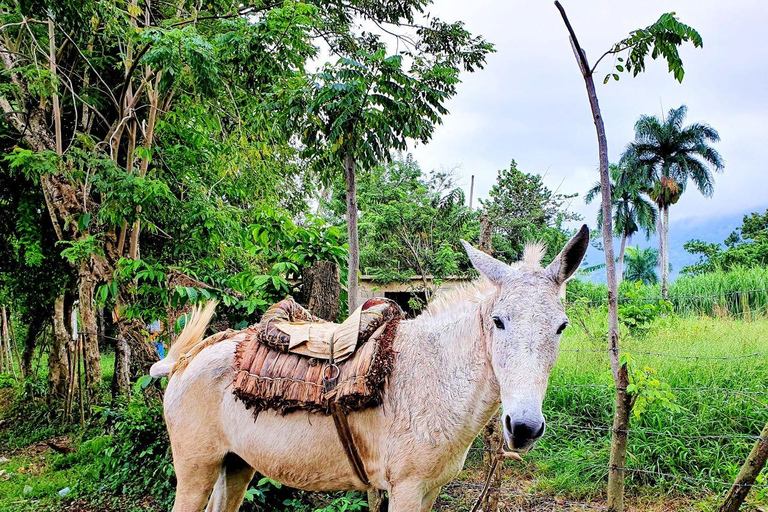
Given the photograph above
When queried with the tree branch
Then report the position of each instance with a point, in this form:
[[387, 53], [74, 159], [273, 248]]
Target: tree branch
[[585, 69]]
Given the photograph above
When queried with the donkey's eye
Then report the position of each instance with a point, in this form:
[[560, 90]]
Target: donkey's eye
[[562, 328], [498, 323]]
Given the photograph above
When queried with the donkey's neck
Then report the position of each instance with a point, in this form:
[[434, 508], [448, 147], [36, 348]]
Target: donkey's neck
[[445, 387]]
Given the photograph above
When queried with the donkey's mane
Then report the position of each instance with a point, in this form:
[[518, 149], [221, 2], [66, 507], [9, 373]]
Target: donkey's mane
[[476, 291]]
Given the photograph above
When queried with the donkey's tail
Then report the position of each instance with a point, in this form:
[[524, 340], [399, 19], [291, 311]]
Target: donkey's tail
[[189, 339]]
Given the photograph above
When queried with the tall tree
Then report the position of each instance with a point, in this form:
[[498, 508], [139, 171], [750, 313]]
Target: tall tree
[[673, 154], [371, 102], [522, 208], [641, 265], [661, 39], [411, 222], [632, 212]]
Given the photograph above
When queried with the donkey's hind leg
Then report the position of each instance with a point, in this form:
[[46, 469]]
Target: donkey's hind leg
[[195, 479], [230, 488]]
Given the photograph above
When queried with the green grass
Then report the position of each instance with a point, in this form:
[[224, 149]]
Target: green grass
[[737, 292], [572, 458]]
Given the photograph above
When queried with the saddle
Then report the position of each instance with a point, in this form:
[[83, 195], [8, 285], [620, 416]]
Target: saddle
[[293, 360]]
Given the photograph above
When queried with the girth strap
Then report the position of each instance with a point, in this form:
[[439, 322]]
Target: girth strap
[[348, 442]]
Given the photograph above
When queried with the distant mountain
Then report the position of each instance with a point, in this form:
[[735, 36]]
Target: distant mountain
[[708, 230]]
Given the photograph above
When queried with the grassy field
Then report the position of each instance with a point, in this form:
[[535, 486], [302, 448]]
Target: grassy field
[[713, 372], [706, 397]]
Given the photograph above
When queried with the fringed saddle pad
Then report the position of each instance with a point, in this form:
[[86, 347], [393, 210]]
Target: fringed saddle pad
[[267, 376]]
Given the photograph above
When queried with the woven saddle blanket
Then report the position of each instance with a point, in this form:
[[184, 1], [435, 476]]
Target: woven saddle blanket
[[281, 363]]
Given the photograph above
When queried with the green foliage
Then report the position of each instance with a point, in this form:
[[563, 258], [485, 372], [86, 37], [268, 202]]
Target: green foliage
[[637, 313], [523, 209], [746, 247], [661, 39], [137, 460], [411, 223], [632, 213], [31, 164], [367, 103], [640, 265], [648, 392], [673, 154]]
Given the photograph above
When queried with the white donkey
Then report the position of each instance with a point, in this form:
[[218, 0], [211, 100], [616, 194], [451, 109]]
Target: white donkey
[[487, 344]]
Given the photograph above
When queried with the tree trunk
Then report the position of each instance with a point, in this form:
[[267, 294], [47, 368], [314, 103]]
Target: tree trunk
[[620, 270], [665, 258], [623, 403], [748, 474], [354, 248], [377, 502], [29, 350], [121, 379], [322, 289], [58, 359], [486, 232], [6, 357], [89, 333], [142, 353]]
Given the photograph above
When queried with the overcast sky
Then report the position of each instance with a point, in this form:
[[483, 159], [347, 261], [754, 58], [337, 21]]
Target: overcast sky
[[529, 103]]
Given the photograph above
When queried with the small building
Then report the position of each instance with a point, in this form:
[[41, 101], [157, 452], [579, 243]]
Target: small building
[[409, 295]]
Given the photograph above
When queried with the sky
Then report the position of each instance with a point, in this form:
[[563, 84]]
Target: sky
[[530, 104]]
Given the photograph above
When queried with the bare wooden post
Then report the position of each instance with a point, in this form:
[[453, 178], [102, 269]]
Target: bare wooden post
[[623, 404], [471, 191], [748, 474]]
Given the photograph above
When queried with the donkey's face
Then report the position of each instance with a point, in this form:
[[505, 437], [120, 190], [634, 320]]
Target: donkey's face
[[523, 325]]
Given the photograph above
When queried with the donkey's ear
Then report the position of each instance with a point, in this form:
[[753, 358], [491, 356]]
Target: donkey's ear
[[489, 266], [567, 262]]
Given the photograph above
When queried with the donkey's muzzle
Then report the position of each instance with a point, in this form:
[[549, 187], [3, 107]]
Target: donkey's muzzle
[[521, 434]]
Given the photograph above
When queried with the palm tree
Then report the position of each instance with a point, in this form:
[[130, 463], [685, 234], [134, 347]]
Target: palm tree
[[673, 154], [641, 265], [631, 211]]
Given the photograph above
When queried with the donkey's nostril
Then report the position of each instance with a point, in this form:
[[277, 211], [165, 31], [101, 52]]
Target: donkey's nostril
[[521, 434], [540, 432], [508, 423]]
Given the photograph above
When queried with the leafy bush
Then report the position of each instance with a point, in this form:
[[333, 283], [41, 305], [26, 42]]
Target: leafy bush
[[137, 461], [637, 314]]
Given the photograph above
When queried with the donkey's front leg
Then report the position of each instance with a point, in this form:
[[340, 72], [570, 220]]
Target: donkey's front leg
[[412, 497]]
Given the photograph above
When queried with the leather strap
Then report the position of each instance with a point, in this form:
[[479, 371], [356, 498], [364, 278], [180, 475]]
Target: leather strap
[[348, 442]]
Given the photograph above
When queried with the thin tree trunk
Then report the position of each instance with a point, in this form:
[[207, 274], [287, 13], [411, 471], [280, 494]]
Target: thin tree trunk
[[620, 270], [665, 259], [15, 345], [748, 474], [623, 404], [486, 232], [5, 359], [121, 379], [89, 333], [55, 96], [660, 231], [58, 359], [354, 246], [29, 350]]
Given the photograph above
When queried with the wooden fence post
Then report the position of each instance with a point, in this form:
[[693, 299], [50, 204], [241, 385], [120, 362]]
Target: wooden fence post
[[748, 474], [492, 432]]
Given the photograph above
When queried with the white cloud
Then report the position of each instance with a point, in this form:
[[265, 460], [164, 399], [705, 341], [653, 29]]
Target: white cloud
[[529, 104]]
